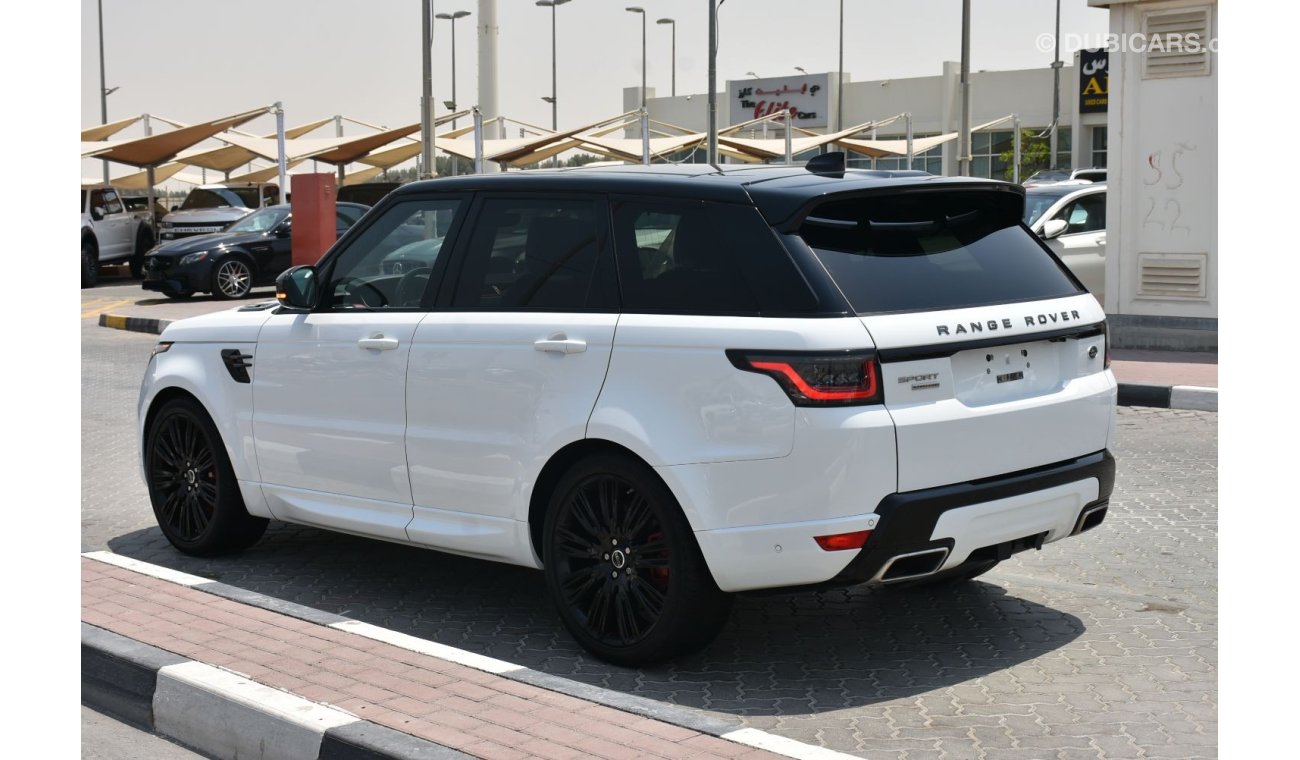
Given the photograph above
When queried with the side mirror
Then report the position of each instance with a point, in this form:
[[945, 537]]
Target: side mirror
[[284, 230], [97, 213], [1053, 228], [296, 288], [175, 207]]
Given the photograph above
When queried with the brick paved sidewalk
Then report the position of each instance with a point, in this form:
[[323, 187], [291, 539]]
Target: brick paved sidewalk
[[469, 710]]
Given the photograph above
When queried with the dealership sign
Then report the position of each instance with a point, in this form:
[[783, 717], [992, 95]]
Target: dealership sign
[[808, 97], [1094, 81]]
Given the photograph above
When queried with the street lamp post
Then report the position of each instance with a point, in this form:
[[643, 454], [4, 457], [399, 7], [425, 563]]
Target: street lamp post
[[839, 80], [553, 4], [645, 115], [426, 95], [711, 149], [673, 22], [452, 17], [1056, 87], [103, 86], [800, 69]]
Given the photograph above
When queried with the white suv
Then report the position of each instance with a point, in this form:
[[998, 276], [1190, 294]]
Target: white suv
[[660, 386]]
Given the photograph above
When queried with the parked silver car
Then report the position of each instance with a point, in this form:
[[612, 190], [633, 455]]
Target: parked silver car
[[1072, 219]]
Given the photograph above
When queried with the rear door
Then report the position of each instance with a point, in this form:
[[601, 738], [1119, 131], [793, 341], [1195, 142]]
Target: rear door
[[992, 358], [506, 371]]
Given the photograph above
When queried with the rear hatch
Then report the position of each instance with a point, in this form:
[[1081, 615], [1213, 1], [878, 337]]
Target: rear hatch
[[992, 356]]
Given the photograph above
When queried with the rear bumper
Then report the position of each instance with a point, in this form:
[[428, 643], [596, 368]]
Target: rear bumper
[[939, 528], [990, 518]]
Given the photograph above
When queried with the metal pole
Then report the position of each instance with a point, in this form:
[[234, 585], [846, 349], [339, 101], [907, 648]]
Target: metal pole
[[711, 152], [103, 87], [908, 117], [643, 17], [674, 25], [873, 137], [1015, 150], [645, 136], [963, 148], [839, 81], [426, 97], [455, 163], [1056, 89], [279, 145], [555, 121], [789, 139], [478, 141]]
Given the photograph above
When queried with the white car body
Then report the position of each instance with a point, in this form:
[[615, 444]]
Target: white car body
[[105, 218], [442, 428], [1084, 251]]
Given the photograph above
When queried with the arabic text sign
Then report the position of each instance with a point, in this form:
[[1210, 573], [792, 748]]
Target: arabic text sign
[[1094, 81], [809, 96]]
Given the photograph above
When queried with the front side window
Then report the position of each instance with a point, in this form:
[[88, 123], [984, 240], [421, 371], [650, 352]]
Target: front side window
[[390, 265], [1087, 214], [696, 257], [534, 254]]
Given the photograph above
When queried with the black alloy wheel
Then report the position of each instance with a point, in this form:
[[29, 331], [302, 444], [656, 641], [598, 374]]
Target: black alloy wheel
[[191, 484], [623, 567]]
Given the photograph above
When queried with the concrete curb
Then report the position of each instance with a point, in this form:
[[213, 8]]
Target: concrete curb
[[134, 324], [363, 739], [1169, 396], [224, 714]]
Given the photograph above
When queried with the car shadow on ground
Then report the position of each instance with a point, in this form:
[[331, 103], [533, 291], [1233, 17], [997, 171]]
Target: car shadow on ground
[[257, 294], [786, 654]]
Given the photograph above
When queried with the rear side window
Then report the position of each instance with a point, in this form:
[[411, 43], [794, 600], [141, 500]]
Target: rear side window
[[696, 257], [534, 254], [929, 251]]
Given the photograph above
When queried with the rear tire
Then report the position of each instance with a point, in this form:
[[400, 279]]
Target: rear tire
[[623, 568], [89, 264], [143, 242], [192, 486]]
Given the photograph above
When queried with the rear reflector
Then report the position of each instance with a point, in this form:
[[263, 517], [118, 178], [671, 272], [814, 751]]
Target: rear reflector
[[842, 541]]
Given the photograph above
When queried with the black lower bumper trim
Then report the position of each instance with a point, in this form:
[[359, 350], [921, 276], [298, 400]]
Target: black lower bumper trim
[[907, 519]]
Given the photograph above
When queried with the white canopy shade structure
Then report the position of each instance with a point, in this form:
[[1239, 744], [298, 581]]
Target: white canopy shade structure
[[629, 148], [269, 174], [898, 147], [155, 150], [105, 131], [775, 148], [140, 180], [356, 177]]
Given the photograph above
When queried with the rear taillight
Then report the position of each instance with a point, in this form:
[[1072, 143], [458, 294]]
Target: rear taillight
[[843, 378], [1105, 341]]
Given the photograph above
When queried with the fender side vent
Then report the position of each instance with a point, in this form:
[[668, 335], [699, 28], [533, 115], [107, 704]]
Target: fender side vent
[[237, 364]]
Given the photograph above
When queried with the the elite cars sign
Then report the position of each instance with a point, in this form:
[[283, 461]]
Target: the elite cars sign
[[1094, 81], [807, 95]]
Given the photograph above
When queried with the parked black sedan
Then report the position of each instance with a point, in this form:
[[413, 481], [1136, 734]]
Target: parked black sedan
[[252, 251]]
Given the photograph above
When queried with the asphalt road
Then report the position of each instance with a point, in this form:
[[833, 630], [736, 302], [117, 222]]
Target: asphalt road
[[1102, 646], [103, 738]]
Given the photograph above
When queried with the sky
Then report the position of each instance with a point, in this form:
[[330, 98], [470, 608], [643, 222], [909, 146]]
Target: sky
[[192, 61]]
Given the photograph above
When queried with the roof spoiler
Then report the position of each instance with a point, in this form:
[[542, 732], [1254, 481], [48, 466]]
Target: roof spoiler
[[827, 164]]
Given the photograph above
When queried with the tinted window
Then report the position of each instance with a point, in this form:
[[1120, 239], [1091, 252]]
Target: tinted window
[[698, 257], [930, 251], [389, 266], [1087, 214], [539, 254], [1037, 202], [260, 221]]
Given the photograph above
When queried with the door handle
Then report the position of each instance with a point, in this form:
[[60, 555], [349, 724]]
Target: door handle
[[559, 343], [378, 342], [1101, 240]]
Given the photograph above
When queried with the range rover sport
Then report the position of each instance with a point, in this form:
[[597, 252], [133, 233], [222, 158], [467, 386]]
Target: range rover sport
[[660, 386]]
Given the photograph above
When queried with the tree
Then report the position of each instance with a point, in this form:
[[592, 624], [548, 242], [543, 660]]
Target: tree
[[1034, 154]]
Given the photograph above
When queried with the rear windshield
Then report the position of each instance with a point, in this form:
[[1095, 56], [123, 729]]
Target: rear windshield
[[929, 251]]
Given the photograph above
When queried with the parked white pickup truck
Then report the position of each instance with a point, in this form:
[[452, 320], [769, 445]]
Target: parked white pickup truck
[[111, 233]]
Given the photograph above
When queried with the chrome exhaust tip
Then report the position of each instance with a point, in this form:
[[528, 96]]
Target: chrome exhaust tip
[[905, 567]]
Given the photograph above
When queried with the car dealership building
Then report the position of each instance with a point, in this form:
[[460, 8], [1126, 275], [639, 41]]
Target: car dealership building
[[934, 103]]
